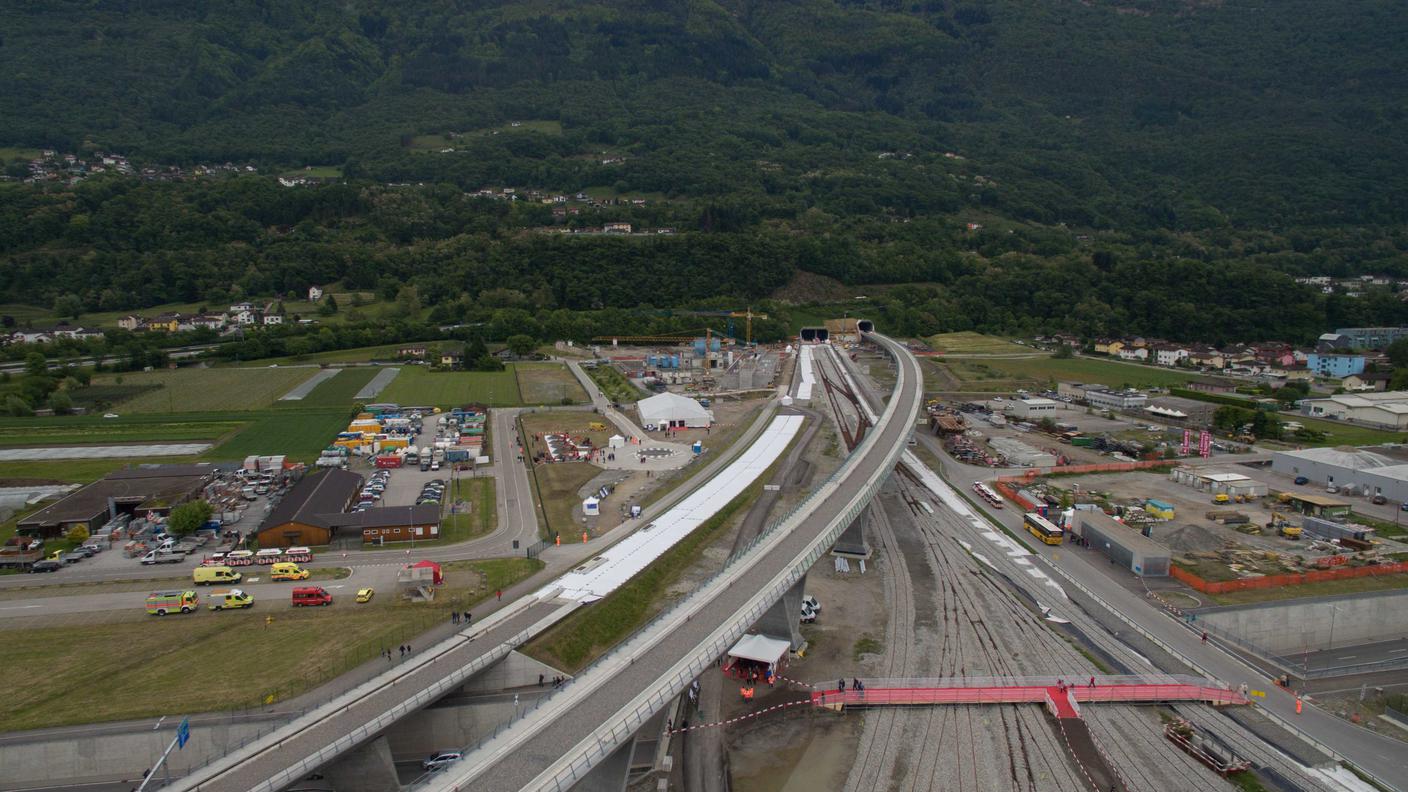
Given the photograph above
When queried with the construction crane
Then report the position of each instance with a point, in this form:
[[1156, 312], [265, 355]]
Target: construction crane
[[746, 314]]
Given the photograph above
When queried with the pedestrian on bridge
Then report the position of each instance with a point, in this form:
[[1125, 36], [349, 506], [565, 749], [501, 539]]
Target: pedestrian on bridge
[[468, 617], [841, 684]]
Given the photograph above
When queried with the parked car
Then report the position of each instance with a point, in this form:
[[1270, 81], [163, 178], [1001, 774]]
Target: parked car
[[366, 594], [440, 760], [1302, 480], [1379, 499], [54, 566]]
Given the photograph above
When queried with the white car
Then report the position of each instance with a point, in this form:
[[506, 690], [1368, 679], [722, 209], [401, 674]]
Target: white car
[[440, 760], [808, 601]]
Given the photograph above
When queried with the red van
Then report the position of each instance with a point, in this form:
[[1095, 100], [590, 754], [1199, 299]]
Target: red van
[[311, 595]]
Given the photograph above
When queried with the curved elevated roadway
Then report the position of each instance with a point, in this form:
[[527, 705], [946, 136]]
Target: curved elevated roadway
[[563, 738], [559, 742]]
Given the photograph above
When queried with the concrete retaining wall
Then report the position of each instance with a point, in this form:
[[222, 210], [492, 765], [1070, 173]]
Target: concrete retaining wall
[[1282, 628], [110, 757]]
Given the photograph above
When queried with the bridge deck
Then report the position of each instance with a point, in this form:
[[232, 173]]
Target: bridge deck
[[561, 730]]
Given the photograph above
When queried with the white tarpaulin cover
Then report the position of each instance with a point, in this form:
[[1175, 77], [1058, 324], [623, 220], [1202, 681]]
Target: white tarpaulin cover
[[601, 575], [804, 361], [760, 649]]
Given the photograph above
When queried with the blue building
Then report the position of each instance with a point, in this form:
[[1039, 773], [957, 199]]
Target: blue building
[[1333, 365]]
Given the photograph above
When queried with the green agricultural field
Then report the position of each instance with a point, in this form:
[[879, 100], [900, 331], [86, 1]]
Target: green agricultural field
[[614, 385], [972, 344], [76, 471], [419, 385], [548, 383], [81, 430], [210, 389], [301, 436], [337, 391], [1002, 373]]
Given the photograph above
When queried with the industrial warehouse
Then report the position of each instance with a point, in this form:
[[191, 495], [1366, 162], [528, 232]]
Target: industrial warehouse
[[1371, 472], [317, 509], [135, 491]]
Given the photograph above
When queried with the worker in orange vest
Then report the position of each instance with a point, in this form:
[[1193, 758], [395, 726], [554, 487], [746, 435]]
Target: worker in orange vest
[[747, 693], [1298, 704]]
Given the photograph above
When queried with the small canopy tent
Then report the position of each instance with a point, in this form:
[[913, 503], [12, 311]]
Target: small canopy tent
[[756, 653], [591, 507]]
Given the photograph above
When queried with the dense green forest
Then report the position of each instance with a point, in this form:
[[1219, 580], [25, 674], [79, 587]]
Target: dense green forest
[[1161, 167]]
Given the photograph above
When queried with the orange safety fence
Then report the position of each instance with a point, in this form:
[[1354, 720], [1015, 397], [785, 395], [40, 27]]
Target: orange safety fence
[[1292, 579]]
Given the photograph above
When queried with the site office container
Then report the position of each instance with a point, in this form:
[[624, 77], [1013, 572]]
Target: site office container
[[311, 595], [389, 461], [160, 603]]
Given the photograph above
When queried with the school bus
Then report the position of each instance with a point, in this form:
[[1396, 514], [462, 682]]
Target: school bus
[[1042, 528]]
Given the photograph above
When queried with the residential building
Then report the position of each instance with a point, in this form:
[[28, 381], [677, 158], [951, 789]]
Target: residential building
[[1116, 400], [1388, 409], [1169, 355], [1371, 337], [244, 317], [273, 319], [131, 322], [31, 336], [209, 321], [616, 228], [1108, 346], [315, 293], [416, 351], [139, 490], [1376, 381], [1328, 342], [166, 323], [242, 306], [1135, 353], [1206, 357], [1337, 366]]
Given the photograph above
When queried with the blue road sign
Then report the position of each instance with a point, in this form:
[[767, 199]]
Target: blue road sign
[[183, 732]]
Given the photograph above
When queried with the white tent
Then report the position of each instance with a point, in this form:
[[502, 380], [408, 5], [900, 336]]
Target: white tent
[[616, 441], [672, 409], [591, 507], [760, 649]]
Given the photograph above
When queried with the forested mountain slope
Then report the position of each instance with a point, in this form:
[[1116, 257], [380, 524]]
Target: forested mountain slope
[[1269, 135]]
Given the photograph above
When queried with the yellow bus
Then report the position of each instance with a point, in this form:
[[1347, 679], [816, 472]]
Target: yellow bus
[[1042, 528]]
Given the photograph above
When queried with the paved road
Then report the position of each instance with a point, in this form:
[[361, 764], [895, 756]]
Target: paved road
[[245, 770], [567, 725]]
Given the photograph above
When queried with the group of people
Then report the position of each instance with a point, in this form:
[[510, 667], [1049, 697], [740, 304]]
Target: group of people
[[1063, 686], [405, 650], [461, 618], [856, 685]]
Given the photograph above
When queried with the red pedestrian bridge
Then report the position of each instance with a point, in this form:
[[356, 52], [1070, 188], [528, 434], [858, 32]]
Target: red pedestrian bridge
[[1062, 696]]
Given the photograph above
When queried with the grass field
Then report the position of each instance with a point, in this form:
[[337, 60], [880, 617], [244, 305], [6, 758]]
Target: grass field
[[557, 491], [210, 389], [77, 471], [83, 430], [1338, 434], [615, 385], [483, 516], [418, 385], [972, 344], [1000, 373], [337, 391], [237, 659], [12, 153], [548, 383], [298, 435]]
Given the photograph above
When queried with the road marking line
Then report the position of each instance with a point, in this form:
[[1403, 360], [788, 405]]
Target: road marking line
[[158, 723], [20, 607]]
